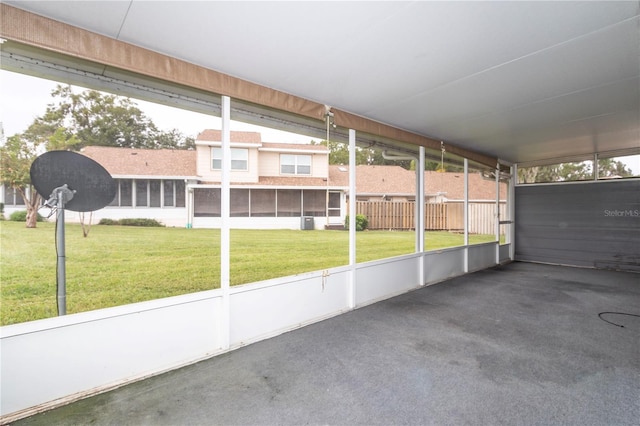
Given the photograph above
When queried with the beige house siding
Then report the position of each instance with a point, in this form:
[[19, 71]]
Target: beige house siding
[[269, 164], [320, 165], [203, 162], [204, 154]]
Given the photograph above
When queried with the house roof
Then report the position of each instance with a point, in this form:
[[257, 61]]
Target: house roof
[[394, 180], [452, 186], [370, 180], [214, 135], [294, 146], [144, 162], [292, 181], [376, 179]]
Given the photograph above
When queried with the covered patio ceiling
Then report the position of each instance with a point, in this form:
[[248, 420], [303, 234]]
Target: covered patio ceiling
[[520, 81]]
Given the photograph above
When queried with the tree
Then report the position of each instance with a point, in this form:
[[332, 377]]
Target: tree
[[98, 119], [16, 156], [565, 172], [610, 168], [339, 153]]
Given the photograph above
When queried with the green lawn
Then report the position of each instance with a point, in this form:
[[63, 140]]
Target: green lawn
[[117, 265]]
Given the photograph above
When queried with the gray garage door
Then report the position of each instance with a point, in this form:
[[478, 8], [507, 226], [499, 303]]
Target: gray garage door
[[594, 224]]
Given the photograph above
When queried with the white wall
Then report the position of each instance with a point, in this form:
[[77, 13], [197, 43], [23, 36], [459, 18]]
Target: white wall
[[168, 216], [258, 222]]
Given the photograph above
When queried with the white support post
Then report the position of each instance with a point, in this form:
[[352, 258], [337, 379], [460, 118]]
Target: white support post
[[225, 209], [419, 221], [420, 213], [511, 205], [189, 205], [352, 218], [497, 215], [466, 215]]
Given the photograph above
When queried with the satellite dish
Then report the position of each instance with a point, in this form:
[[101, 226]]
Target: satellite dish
[[70, 181], [91, 185]]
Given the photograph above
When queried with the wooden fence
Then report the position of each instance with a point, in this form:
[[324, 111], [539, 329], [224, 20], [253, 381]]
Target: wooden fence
[[395, 215]]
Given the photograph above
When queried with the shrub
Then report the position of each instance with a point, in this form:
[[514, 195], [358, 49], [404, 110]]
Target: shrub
[[361, 222], [21, 216], [131, 222], [139, 222]]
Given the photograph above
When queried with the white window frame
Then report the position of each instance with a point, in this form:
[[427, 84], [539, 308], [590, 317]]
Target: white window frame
[[296, 164], [239, 159]]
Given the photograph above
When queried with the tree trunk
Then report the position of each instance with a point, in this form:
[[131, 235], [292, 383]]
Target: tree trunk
[[86, 227], [32, 203]]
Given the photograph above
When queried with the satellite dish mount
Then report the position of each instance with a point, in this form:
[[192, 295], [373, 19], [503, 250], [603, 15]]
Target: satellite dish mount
[[59, 197], [75, 182]]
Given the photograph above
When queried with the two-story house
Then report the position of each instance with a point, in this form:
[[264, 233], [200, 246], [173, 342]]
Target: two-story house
[[273, 185]]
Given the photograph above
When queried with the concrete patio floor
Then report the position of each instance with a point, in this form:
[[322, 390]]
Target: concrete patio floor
[[521, 344]]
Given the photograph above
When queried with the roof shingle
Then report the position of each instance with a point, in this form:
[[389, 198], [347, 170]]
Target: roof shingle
[[214, 135], [144, 162]]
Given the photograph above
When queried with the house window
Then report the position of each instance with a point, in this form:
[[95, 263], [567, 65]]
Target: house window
[[125, 192], [206, 202], [141, 193], [169, 196], [314, 202], [295, 164], [12, 197], [239, 202], [239, 159], [173, 193], [263, 202], [180, 193], [154, 193], [149, 193], [289, 202]]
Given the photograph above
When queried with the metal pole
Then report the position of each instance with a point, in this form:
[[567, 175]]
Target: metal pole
[[61, 273]]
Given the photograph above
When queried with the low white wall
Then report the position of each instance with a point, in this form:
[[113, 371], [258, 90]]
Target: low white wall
[[481, 256], [257, 222], [262, 310], [442, 264], [168, 216], [48, 362], [65, 357], [505, 253], [381, 279]]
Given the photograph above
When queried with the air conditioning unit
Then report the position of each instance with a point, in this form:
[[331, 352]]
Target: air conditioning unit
[[306, 223]]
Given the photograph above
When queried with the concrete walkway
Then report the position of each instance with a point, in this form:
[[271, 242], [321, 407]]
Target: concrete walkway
[[517, 345]]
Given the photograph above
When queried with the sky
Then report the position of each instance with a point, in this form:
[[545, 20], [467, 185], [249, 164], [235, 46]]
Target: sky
[[23, 98]]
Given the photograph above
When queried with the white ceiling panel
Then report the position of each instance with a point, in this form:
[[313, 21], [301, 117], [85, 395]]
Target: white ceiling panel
[[100, 17], [518, 80]]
